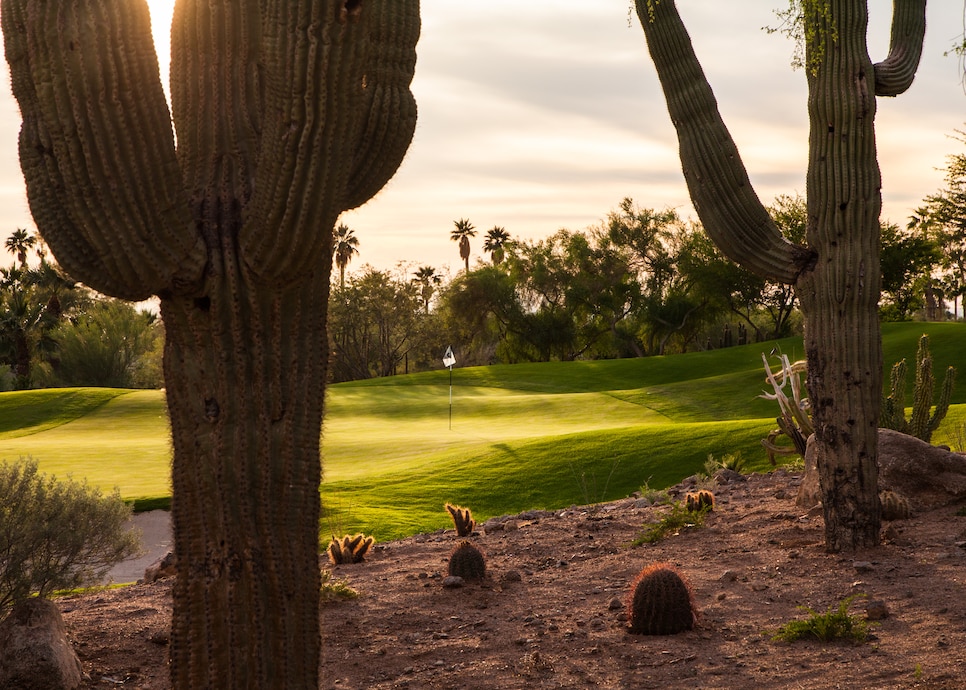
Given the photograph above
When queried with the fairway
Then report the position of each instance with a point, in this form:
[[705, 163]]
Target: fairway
[[520, 436]]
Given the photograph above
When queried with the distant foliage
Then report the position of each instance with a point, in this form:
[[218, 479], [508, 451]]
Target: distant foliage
[[56, 534]]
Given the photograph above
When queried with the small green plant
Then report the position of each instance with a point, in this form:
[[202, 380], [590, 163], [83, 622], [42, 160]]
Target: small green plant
[[654, 496], [729, 461], [349, 549], [590, 490], [331, 589], [961, 512], [467, 561], [835, 624], [57, 534], [462, 520], [925, 417], [696, 501], [894, 506], [671, 522], [661, 602]]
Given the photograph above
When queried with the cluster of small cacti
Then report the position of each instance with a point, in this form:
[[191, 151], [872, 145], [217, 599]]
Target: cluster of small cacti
[[894, 506], [925, 417], [467, 561], [462, 520], [696, 501], [661, 602], [349, 549]]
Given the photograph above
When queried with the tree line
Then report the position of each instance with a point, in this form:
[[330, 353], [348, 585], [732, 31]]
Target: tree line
[[56, 332], [640, 283]]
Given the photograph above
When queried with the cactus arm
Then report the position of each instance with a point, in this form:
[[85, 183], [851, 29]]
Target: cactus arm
[[922, 400], [323, 111], [942, 405], [895, 74], [390, 107], [723, 197], [97, 148]]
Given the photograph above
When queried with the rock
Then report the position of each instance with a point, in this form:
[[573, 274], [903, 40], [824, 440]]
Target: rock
[[453, 582], [876, 610], [927, 476], [161, 568], [34, 651]]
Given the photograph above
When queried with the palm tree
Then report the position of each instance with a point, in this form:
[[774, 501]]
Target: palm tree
[[19, 243], [346, 245], [496, 239], [428, 279], [462, 234]]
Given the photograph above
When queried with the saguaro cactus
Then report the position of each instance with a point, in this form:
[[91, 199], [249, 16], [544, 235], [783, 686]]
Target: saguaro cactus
[[287, 113], [837, 274]]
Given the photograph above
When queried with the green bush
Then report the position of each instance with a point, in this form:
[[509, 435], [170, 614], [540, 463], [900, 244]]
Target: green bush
[[57, 534]]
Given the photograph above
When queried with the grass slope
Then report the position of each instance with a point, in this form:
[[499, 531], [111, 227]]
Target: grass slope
[[521, 436]]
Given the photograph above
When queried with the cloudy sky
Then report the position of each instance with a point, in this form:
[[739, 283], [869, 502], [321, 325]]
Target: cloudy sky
[[543, 115]]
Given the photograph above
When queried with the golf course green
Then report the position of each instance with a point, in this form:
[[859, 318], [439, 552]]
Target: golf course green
[[516, 437]]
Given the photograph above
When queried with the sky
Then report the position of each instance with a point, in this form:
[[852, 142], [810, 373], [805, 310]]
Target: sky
[[544, 115]]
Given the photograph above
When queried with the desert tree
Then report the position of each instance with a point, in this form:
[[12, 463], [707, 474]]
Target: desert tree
[[286, 115], [836, 271]]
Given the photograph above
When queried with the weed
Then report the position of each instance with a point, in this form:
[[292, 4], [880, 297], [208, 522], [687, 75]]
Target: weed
[[961, 512], [834, 624], [332, 589], [589, 488], [672, 522], [917, 672], [730, 461], [654, 496]]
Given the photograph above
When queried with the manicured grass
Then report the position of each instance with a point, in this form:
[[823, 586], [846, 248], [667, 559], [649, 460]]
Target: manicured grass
[[521, 436]]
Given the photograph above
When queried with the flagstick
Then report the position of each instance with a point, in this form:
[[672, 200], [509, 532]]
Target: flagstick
[[451, 398]]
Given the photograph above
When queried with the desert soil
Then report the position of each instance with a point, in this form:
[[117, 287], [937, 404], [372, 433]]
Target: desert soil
[[550, 612]]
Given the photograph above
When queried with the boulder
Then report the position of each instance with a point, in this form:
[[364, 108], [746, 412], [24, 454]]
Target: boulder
[[166, 566], [927, 476], [34, 651]]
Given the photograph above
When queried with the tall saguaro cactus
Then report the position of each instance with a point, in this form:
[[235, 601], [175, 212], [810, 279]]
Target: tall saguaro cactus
[[287, 113], [837, 274]]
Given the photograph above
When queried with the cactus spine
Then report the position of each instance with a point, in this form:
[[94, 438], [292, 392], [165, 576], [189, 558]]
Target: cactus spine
[[467, 561], [837, 274], [287, 114], [661, 602], [925, 418]]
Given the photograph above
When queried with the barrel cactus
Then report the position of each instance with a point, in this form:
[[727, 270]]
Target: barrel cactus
[[286, 115], [894, 506], [661, 602], [467, 561], [699, 500]]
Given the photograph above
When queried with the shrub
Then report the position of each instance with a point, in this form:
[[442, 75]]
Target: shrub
[[57, 534], [661, 602], [331, 589], [671, 522], [834, 624]]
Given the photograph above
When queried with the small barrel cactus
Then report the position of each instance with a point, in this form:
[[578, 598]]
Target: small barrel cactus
[[349, 549], [894, 506], [467, 561], [696, 501], [661, 602], [462, 520]]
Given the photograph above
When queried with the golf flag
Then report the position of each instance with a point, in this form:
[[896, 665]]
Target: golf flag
[[449, 359]]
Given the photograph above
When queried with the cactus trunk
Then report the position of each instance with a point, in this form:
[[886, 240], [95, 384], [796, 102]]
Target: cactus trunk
[[840, 296], [245, 375]]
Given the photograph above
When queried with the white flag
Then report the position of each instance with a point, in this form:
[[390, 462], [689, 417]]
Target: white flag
[[449, 359]]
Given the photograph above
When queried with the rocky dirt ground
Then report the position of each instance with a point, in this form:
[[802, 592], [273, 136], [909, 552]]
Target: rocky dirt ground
[[550, 613]]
